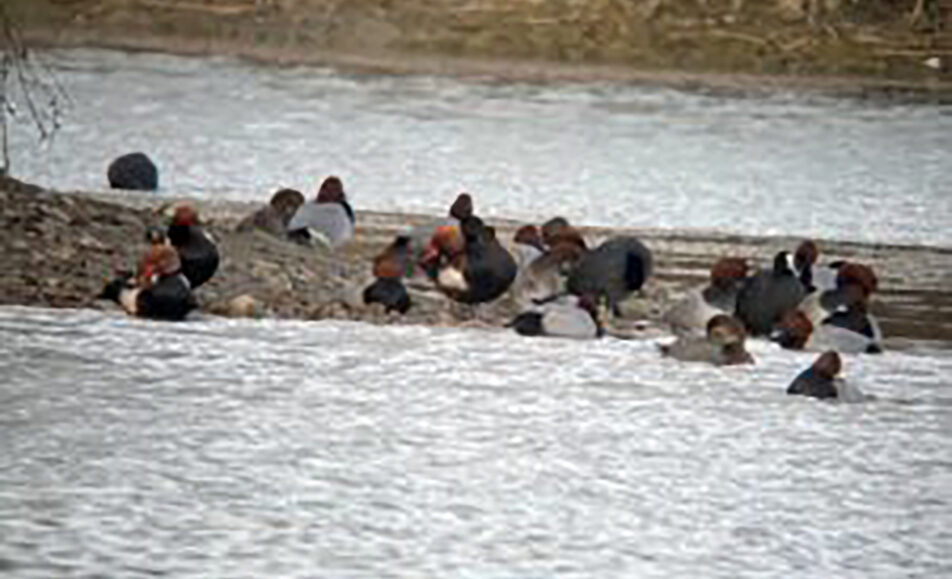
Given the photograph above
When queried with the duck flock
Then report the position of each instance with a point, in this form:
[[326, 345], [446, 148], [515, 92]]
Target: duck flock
[[563, 286]]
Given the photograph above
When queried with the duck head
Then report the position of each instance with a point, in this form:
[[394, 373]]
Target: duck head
[[447, 241], [725, 330], [331, 191], [161, 261], [828, 365], [806, 255], [551, 227], [286, 202], [529, 235], [155, 235], [793, 331], [728, 271], [185, 215], [783, 264], [558, 231], [462, 207], [862, 276]]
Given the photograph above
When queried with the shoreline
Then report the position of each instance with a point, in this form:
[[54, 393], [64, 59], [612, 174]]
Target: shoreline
[[62, 247], [494, 70]]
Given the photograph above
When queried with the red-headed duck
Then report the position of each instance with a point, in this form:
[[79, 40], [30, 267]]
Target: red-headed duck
[[822, 380], [722, 345], [691, 314], [328, 220], [161, 291], [764, 298], [796, 332], [482, 271], [819, 380], [389, 268], [198, 252], [421, 235]]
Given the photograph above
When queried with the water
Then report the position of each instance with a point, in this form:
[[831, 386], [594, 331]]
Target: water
[[599, 154], [280, 449], [333, 449]]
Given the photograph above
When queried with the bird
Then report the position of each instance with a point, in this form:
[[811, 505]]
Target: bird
[[722, 345], [198, 253], [764, 298]]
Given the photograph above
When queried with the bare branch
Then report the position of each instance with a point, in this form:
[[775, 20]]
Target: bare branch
[[27, 78]]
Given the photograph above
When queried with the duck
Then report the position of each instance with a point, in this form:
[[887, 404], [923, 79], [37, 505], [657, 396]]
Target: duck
[[197, 251], [389, 268], [691, 314], [852, 331], [479, 271], [544, 277], [612, 271], [390, 292], [159, 292], [854, 285], [328, 220], [804, 258], [525, 248], [420, 235], [822, 380], [722, 345], [274, 217], [558, 230], [565, 317], [764, 298]]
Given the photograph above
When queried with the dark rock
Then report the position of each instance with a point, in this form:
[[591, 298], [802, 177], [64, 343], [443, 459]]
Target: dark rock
[[133, 171]]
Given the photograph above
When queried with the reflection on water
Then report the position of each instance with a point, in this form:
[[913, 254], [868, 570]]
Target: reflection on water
[[599, 154], [282, 449]]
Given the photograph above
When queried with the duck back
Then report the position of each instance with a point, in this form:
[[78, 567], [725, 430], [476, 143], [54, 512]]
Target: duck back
[[332, 220], [170, 298], [198, 254], [765, 298], [614, 270]]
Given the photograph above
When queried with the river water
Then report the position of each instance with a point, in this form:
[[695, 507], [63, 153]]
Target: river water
[[261, 449], [328, 449], [599, 154]]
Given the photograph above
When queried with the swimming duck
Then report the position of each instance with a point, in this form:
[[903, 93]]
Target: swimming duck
[[821, 380], [764, 298], [852, 331], [692, 313], [723, 344], [198, 253], [160, 291], [329, 219]]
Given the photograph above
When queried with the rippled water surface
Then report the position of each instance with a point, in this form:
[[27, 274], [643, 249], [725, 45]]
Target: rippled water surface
[[260, 449], [599, 154]]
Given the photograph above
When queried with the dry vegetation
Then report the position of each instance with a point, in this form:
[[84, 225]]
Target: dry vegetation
[[907, 39]]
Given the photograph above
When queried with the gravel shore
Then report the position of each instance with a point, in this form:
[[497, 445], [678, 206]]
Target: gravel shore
[[60, 248]]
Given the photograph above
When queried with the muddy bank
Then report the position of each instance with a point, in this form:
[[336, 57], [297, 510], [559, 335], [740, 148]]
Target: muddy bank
[[60, 248], [871, 48]]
